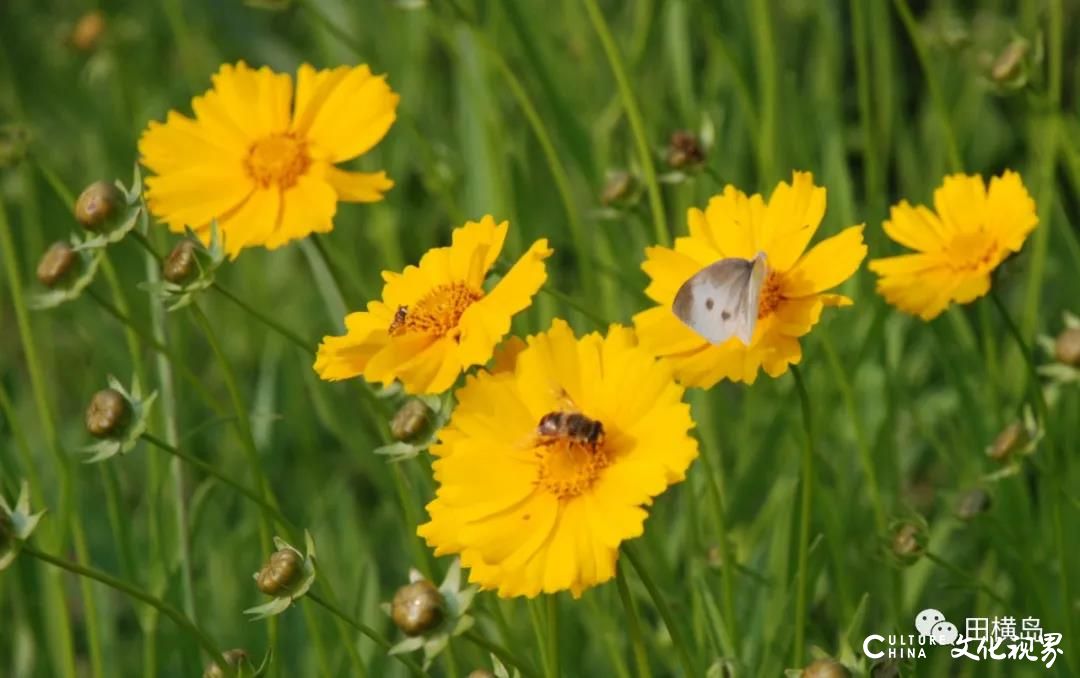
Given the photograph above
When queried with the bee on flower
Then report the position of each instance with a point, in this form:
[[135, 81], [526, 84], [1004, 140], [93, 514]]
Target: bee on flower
[[958, 245], [735, 296], [549, 462], [260, 156], [437, 319]]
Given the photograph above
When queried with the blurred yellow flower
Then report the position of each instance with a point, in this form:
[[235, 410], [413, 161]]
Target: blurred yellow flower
[[957, 246], [532, 513], [261, 161], [436, 319], [791, 300]]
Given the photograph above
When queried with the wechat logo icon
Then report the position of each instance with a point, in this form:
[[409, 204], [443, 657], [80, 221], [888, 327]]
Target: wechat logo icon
[[932, 624]]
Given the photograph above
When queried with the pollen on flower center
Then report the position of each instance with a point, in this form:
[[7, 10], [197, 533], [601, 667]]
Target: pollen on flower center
[[277, 160], [770, 296], [568, 468], [972, 251], [437, 313]]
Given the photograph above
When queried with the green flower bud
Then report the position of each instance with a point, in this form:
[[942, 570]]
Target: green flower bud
[[179, 266], [235, 658], [684, 151], [1067, 347], [99, 203], [410, 420], [88, 30], [621, 189], [108, 413], [1008, 64], [284, 570], [56, 264], [825, 668], [1012, 439], [417, 607], [972, 504], [908, 542]]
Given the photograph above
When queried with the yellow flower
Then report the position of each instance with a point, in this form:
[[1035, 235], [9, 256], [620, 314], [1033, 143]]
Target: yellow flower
[[532, 514], [791, 301], [262, 162], [958, 246], [436, 319]]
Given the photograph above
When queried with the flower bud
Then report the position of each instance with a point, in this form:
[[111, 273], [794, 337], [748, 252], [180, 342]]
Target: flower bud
[[179, 266], [57, 262], [88, 31], [417, 607], [908, 542], [1013, 438], [684, 151], [620, 189], [1067, 347], [107, 414], [410, 420], [234, 658], [1007, 65], [825, 668], [972, 504], [282, 571], [97, 205]]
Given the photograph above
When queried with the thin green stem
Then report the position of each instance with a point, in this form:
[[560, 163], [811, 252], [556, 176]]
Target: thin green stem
[[807, 483], [504, 655], [1031, 382], [330, 26], [540, 633], [966, 577], [727, 584], [637, 640], [678, 638], [285, 332], [160, 605], [553, 634], [765, 53], [270, 509], [866, 120], [637, 126], [936, 95], [365, 630], [573, 303]]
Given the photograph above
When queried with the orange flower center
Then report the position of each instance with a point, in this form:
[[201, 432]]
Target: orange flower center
[[277, 160], [770, 296], [436, 313], [972, 251], [569, 467]]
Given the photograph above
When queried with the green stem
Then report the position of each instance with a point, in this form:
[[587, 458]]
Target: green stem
[[366, 630], [765, 53], [268, 508], [553, 634], [936, 95], [678, 639], [637, 640], [637, 126], [1032, 377], [307, 346], [330, 26], [160, 605], [62, 646], [573, 303], [540, 633], [965, 577], [866, 121], [807, 483], [727, 583], [502, 653]]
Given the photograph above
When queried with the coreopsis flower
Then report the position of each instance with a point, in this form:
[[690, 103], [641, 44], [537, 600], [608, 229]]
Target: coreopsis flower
[[971, 230], [261, 158], [117, 417], [286, 576], [436, 319], [792, 294], [548, 465], [430, 616]]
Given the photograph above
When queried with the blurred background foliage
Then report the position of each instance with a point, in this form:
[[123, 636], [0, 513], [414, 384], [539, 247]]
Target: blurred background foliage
[[838, 88]]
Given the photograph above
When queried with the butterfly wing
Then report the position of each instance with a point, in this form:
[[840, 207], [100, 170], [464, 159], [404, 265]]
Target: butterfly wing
[[748, 313], [715, 301]]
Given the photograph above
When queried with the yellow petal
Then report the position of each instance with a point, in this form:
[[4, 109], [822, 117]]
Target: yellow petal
[[791, 219], [961, 203], [261, 101], [307, 207], [474, 248], [196, 196], [829, 263], [668, 270], [730, 223], [1010, 210], [916, 227], [182, 144], [358, 186], [346, 356], [252, 222], [345, 116]]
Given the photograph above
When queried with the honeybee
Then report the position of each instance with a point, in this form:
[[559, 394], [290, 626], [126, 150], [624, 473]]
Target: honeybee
[[569, 425], [398, 322]]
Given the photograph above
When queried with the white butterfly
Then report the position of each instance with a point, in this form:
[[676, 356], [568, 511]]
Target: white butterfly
[[721, 300]]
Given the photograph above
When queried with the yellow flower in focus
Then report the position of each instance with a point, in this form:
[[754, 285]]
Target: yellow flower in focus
[[262, 161], [791, 300], [958, 246], [531, 513], [436, 319]]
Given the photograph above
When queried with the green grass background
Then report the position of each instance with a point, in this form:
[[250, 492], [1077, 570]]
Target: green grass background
[[511, 108]]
